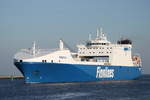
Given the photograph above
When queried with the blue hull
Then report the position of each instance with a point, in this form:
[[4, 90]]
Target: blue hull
[[35, 72]]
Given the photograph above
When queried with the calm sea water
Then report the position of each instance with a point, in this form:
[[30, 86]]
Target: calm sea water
[[125, 90]]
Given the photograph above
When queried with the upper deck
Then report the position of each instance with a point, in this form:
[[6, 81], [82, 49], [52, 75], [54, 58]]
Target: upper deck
[[100, 46], [95, 52]]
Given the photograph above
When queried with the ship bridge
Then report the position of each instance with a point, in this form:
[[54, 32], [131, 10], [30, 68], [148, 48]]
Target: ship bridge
[[95, 48], [102, 50]]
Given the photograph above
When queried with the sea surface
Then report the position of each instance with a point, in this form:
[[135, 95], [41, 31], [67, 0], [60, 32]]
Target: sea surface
[[120, 90]]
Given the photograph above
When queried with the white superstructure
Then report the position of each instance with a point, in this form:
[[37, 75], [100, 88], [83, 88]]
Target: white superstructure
[[95, 52]]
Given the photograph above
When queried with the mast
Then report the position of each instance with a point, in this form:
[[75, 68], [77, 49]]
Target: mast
[[97, 34], [89, 37], [101, 33], [61, 44], [34, 48]]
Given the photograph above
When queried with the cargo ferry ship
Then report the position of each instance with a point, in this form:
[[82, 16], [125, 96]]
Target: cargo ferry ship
[[96, 60]]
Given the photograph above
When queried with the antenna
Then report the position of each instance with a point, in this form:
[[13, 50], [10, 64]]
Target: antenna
[[34, 48], [101, 32], [97, 33], [89, 36]]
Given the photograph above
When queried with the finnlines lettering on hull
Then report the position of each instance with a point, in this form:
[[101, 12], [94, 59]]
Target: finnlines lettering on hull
[[104, 73], [97, 60]]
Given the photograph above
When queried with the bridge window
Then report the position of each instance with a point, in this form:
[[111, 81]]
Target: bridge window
[[97, 43]]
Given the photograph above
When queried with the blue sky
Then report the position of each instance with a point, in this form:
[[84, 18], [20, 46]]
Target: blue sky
[[45, 21]]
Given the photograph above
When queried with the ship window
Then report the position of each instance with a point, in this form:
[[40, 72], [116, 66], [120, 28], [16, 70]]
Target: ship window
[[21, 61], [52, 61], [82, 59], [45, 61]]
